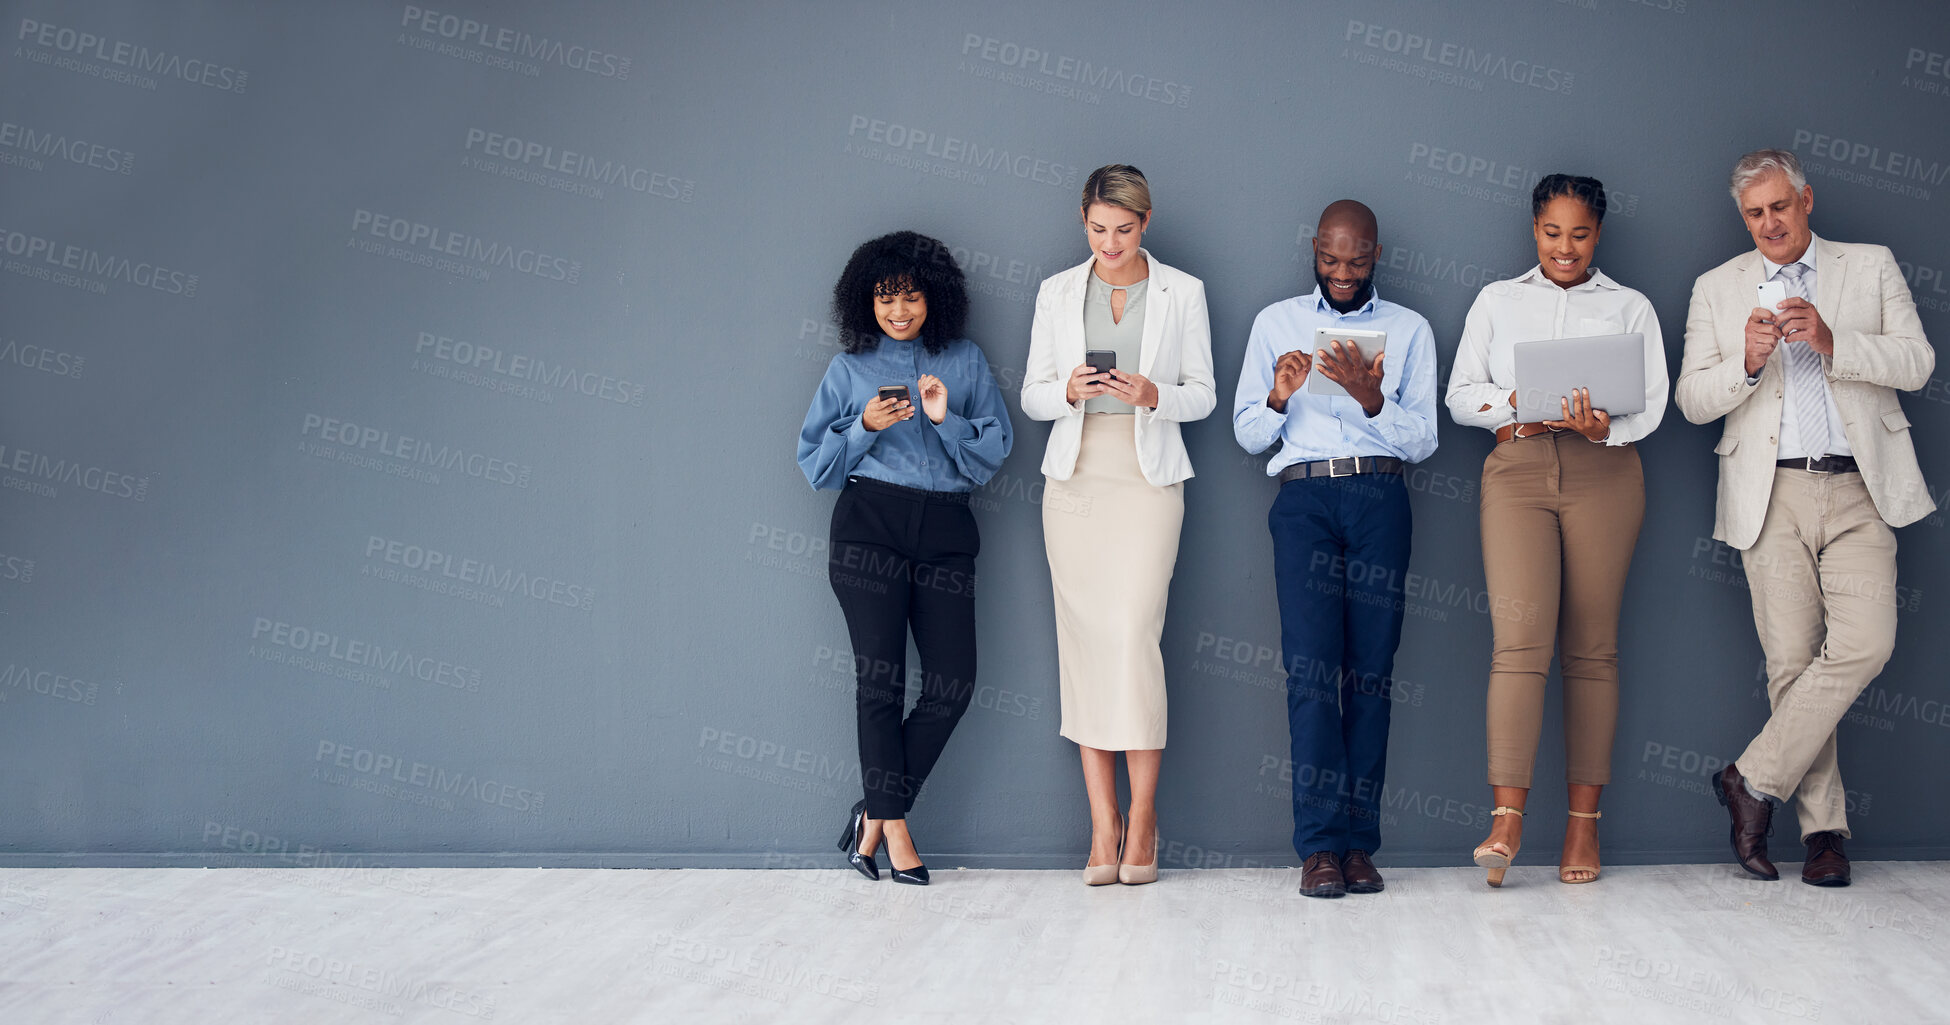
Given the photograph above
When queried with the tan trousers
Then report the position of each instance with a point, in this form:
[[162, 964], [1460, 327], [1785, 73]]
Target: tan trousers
[[1823, 579], [1561, 516]]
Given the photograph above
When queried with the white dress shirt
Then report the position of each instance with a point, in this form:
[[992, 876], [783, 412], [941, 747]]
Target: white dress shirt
[[1790, 430], [1530, 307]]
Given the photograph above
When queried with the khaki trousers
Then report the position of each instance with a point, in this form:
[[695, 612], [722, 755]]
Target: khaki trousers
[[1823, 580], [1561, 516]]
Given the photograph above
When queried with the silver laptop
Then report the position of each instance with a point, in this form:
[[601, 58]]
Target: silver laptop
[[1612, 366]]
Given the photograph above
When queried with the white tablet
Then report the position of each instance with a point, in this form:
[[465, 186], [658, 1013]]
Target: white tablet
[[1612, 366], [1370, 344]]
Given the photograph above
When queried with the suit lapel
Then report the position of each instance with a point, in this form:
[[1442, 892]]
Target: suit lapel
[[1157, 306], [1830, 285], [1071, 324]]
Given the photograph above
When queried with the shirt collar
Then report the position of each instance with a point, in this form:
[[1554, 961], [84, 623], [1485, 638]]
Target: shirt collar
[[1807, 259], [1597, 280], [1316, 300]]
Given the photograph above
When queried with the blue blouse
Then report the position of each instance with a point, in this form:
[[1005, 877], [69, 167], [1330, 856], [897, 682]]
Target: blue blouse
[[960, 453]]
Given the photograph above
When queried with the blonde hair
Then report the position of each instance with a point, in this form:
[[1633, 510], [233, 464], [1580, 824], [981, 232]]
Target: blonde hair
[[1120, 185]]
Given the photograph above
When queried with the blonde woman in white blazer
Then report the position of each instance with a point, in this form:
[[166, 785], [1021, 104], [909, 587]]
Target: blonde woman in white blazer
[[1114, 498]]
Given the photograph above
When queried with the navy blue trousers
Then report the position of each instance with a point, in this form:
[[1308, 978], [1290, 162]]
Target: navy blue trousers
[[1340, 558]]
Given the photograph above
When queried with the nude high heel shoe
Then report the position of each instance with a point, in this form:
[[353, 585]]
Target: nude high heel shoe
[[1104, 875], [1564, 871], [1138, 875], [1498, 855]]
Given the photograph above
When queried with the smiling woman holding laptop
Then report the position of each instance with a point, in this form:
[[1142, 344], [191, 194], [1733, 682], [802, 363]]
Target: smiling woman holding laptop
[[1563, 498]]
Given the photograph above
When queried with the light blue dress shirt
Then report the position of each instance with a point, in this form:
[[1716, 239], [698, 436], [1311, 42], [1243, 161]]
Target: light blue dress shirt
[[959, 454], [1334, 426]]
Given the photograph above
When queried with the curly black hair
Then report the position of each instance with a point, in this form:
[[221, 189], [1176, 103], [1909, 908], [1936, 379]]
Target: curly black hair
[[1589, 191], [892, 264]]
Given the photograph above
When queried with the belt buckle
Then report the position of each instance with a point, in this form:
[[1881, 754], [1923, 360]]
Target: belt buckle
[[1353, 466], [1811, 465]]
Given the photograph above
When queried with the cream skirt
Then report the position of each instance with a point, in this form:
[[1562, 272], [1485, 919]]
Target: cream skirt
[[1112, 539]]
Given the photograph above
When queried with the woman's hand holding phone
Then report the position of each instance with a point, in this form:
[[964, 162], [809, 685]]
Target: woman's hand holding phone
[[889, 409], [1085, 383]]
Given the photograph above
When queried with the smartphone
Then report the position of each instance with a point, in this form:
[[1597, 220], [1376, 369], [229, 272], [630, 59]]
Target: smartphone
[[1770, 294], [893, 391], [1101, 359]]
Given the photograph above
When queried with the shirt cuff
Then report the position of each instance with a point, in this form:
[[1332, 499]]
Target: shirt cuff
[[953, 427]]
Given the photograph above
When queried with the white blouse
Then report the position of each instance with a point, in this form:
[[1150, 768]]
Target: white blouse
[[1530, 307]]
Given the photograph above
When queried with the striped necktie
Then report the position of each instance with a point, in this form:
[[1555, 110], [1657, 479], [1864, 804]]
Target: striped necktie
[[1807, 384]]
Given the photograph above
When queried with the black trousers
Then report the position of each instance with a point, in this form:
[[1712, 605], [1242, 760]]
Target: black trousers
[[903, 560]]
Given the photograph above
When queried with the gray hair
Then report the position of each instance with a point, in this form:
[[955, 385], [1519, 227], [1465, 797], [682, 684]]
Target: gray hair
[[1759, 163]]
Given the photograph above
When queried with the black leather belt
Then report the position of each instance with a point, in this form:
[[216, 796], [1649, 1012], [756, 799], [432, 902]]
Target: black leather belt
[[1346, 466], [1826, 464]]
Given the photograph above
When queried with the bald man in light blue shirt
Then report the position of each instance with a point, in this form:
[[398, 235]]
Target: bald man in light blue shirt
[[1340, 527]]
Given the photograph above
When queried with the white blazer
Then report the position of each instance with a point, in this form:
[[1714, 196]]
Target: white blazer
[[1176, 355], [1879, 351]]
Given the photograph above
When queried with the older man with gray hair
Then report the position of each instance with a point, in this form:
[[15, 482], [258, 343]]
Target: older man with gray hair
[[1816, 467]]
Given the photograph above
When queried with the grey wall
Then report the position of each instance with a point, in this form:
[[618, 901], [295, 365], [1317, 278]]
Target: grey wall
[[380, 490]]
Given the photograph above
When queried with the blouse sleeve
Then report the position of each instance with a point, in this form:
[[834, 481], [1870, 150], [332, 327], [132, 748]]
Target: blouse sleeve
[[833, 439], [1475, 400], [1635, 426], [976, 429]]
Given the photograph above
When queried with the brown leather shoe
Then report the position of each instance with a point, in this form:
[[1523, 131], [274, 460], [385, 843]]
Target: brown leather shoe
[[1753, 820], [1827, 864], [1320, 876], [1359, 872]]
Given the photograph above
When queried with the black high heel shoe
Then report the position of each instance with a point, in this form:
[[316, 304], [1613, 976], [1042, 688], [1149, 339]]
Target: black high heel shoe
[[916, 876], [856, 825]]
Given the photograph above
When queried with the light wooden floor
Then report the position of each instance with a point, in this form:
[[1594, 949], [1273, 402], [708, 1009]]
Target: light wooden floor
[[573, 947]]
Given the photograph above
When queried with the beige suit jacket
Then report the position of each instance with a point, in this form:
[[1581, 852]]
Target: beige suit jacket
[[1879, 350]]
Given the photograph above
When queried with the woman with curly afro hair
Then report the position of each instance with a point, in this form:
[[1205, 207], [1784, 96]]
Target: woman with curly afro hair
[[903, 542]]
